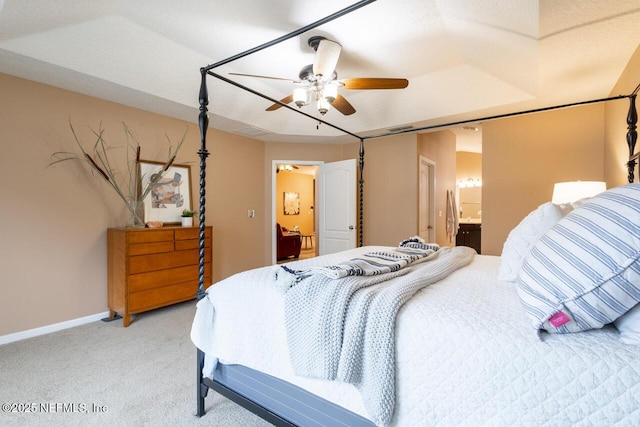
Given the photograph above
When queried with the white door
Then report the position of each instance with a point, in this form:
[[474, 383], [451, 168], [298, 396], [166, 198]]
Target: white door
[[426, 200], [336, 206]]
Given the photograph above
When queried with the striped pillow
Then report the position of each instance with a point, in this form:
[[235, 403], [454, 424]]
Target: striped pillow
[[585, 271]]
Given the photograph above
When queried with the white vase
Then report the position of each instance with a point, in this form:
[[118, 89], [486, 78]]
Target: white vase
[[187, 221]]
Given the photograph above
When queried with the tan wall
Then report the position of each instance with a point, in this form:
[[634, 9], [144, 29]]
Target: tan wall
[[390, 190], [523, 156], [440, 147], [468, 165], [234, 185], [303, 185], [54, 220], [616, 151]]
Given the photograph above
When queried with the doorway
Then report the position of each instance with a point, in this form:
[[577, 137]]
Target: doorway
[[295, 181], [331, 207]]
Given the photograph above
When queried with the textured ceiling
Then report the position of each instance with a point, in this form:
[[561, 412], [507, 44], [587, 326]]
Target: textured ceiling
[[463, 59]]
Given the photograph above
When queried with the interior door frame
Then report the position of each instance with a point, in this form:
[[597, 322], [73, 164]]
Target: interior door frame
[[431, 203], [274, 163]]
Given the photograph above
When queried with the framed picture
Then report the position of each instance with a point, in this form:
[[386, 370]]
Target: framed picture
[[170, 196], [291, 203]]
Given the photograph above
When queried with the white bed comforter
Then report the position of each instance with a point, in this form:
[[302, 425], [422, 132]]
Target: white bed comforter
[[345, 329], [465, 354]]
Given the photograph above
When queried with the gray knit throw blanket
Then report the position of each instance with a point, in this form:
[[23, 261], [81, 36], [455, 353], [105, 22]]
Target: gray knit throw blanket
[[409, 252], [343, 328]]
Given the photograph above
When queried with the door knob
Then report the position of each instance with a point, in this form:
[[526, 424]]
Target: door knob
[[351, 227]]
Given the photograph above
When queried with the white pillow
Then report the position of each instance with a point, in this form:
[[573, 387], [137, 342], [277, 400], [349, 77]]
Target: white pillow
[[525, 235], [585, 271], [629, 326]]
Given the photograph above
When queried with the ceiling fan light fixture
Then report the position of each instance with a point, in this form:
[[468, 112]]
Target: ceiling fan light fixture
[[301, 96], [323, 106], [330, 92]]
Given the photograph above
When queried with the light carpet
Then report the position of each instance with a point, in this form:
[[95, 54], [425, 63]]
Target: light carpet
[[109, 375]]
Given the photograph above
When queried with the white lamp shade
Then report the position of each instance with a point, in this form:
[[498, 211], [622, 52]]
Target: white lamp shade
[[300, 96], [323, 106], [569, 192], [330, 92], [326, 58]]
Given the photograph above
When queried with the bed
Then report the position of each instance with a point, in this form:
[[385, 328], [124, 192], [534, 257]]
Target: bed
[[466, 354], [483, 344]]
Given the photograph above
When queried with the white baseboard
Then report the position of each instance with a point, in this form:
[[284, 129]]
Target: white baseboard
[[18, 336]]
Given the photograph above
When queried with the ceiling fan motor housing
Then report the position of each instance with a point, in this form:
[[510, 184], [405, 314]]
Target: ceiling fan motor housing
[[306, 75], [314, 41]]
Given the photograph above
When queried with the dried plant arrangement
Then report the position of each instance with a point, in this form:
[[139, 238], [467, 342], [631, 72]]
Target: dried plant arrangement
[[128, 186]]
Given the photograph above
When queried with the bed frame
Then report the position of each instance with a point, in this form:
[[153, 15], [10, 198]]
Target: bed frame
[[274, 400]]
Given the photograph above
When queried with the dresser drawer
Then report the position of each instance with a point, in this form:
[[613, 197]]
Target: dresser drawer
[[150, 248], [154, 262], [182, 245], [148, 236], [162, 296], [154, 279], [191, 233]]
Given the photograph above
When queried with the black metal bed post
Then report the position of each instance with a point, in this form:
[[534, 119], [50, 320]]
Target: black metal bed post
[[361, 197], [203, 122], [632, 136]]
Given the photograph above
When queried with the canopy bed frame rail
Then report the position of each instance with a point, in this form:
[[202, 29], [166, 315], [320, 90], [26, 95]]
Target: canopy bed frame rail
[[205, 383]]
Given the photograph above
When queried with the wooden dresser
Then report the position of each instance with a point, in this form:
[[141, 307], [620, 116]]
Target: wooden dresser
[[149, 268]]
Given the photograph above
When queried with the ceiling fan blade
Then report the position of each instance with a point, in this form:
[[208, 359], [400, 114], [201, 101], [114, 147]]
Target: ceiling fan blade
[[341, 104], [374, 83], [264, 77], [285, 100], [326, 58]]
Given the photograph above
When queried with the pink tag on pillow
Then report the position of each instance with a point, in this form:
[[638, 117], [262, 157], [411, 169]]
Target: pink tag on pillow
[[559, 319]]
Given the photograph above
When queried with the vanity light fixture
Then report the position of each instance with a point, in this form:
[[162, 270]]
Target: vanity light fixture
[[470, 183]]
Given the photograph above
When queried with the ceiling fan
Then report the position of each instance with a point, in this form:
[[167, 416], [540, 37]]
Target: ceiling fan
[[319, 81]]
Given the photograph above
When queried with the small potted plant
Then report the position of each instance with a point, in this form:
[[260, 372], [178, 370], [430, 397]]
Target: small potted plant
[[187, 217]]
